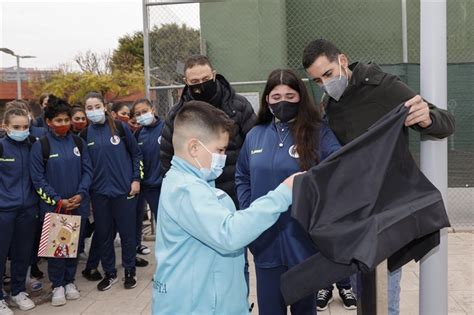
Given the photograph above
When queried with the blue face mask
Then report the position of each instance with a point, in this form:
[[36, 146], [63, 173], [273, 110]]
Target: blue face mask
[[18, 135], [145, 119], [96, 116], [217, 165]]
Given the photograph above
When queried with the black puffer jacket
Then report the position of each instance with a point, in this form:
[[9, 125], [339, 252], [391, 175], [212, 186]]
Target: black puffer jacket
[[237, 108]]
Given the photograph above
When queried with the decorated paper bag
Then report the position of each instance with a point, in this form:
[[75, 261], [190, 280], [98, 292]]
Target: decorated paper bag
[[60, 235]]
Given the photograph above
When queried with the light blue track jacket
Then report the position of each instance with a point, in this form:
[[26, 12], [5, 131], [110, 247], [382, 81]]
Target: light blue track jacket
[[200, 240]]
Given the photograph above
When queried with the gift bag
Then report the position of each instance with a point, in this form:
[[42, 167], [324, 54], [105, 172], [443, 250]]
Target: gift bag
[[60, 235]]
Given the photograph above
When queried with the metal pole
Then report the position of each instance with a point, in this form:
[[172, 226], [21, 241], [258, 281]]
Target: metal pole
[[404, 31], [18, 78], [146, 48], [433, 153]]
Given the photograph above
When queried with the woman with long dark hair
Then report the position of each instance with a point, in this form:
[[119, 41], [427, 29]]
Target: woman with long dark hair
[[289, 137]]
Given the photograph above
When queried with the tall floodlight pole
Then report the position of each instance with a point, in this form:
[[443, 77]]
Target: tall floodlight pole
[[434, 152], [18, 77]]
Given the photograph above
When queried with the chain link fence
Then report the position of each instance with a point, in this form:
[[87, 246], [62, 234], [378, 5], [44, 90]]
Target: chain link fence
[[247, 39]]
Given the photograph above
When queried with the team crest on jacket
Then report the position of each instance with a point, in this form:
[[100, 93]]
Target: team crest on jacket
[[293, 153], [76, 151], [115, 140]]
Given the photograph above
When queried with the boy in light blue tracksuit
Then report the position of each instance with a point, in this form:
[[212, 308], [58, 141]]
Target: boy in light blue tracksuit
[[18, 207], [200, 238], [61, 171]]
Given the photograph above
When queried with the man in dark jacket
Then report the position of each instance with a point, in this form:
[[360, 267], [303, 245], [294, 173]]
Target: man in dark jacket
[[358, 95], [204, 84]]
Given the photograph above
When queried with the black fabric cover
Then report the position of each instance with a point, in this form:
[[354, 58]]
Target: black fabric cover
[[365, 203]]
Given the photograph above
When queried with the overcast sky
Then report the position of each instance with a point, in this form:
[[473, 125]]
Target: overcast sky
[[55, 31]]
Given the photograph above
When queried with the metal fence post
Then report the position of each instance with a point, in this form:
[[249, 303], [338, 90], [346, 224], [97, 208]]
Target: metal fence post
[[433, 153], [146, 49]]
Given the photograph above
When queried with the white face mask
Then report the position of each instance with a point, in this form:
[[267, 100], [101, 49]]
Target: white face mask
[[335, 87], [217, 165], [145, 119], [96, 116]]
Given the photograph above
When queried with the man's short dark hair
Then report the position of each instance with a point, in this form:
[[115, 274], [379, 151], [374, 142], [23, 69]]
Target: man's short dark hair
[[205, 118], [194, 60], [317, 48]]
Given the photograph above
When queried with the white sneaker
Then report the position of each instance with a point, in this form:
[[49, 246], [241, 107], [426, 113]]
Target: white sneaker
[[58, 297], [72, 293], [4, 309], [23, 302]]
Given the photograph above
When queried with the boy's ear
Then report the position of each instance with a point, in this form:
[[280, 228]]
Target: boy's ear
[[193, 145]]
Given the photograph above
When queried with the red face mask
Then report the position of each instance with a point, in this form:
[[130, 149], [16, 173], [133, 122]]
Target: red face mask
[[79, 125], [125, 119], [60, 130]]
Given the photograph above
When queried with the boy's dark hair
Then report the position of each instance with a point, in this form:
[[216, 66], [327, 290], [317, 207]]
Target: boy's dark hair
[[209, 118], [319, 48], [55, 107], [194, 60]]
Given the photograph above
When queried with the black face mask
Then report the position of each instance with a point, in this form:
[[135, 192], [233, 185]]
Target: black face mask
[[284, 111], [204, 91]]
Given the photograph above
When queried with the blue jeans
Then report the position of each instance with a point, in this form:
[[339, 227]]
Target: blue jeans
[[394, 292]]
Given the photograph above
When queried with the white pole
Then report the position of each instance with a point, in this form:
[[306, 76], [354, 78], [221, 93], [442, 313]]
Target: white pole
[[146, 49], [18, 78], [404, 31], [433, 153]]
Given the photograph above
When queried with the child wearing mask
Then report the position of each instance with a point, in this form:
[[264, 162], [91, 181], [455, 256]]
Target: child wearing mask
[[199, 237]]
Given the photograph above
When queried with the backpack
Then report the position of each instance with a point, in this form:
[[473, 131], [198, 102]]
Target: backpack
[[45, 147], [30, 138]]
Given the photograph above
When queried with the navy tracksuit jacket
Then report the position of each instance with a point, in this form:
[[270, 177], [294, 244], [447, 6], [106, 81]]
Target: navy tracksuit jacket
[[117, 162], [18, 211], [149, 140], [261, 167], [67, 172]]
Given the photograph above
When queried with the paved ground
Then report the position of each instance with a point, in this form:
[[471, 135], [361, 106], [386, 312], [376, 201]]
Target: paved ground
[[138, 301]]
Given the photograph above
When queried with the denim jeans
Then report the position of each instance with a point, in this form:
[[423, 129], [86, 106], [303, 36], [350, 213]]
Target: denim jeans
[[394, 292]]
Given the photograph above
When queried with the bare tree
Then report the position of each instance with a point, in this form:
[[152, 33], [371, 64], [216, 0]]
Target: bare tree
[[94, 62]]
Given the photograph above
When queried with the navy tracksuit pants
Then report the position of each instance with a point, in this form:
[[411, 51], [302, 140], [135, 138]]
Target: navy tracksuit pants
[[110, 215], [270, 300], [150, 196], [62, 271], [17, 234]]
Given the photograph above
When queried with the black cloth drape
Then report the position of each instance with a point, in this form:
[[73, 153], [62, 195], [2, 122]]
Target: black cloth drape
[[365, 203]]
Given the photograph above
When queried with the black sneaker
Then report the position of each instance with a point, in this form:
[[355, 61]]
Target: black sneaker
[[348, 299], [107, 282], [323, 299], [140, 262], [35, 272], [130, 279], [92, 274]]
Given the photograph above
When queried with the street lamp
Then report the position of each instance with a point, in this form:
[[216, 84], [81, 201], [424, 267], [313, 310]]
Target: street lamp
[[18, 78]]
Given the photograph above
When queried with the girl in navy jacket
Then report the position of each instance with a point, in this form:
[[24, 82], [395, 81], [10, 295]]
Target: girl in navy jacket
[[18, 206], [289, 137], [118, 170], [62, 180], [149, 139]]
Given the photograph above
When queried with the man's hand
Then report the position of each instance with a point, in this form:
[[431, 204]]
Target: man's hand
[[135, 188], [419, 112]]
